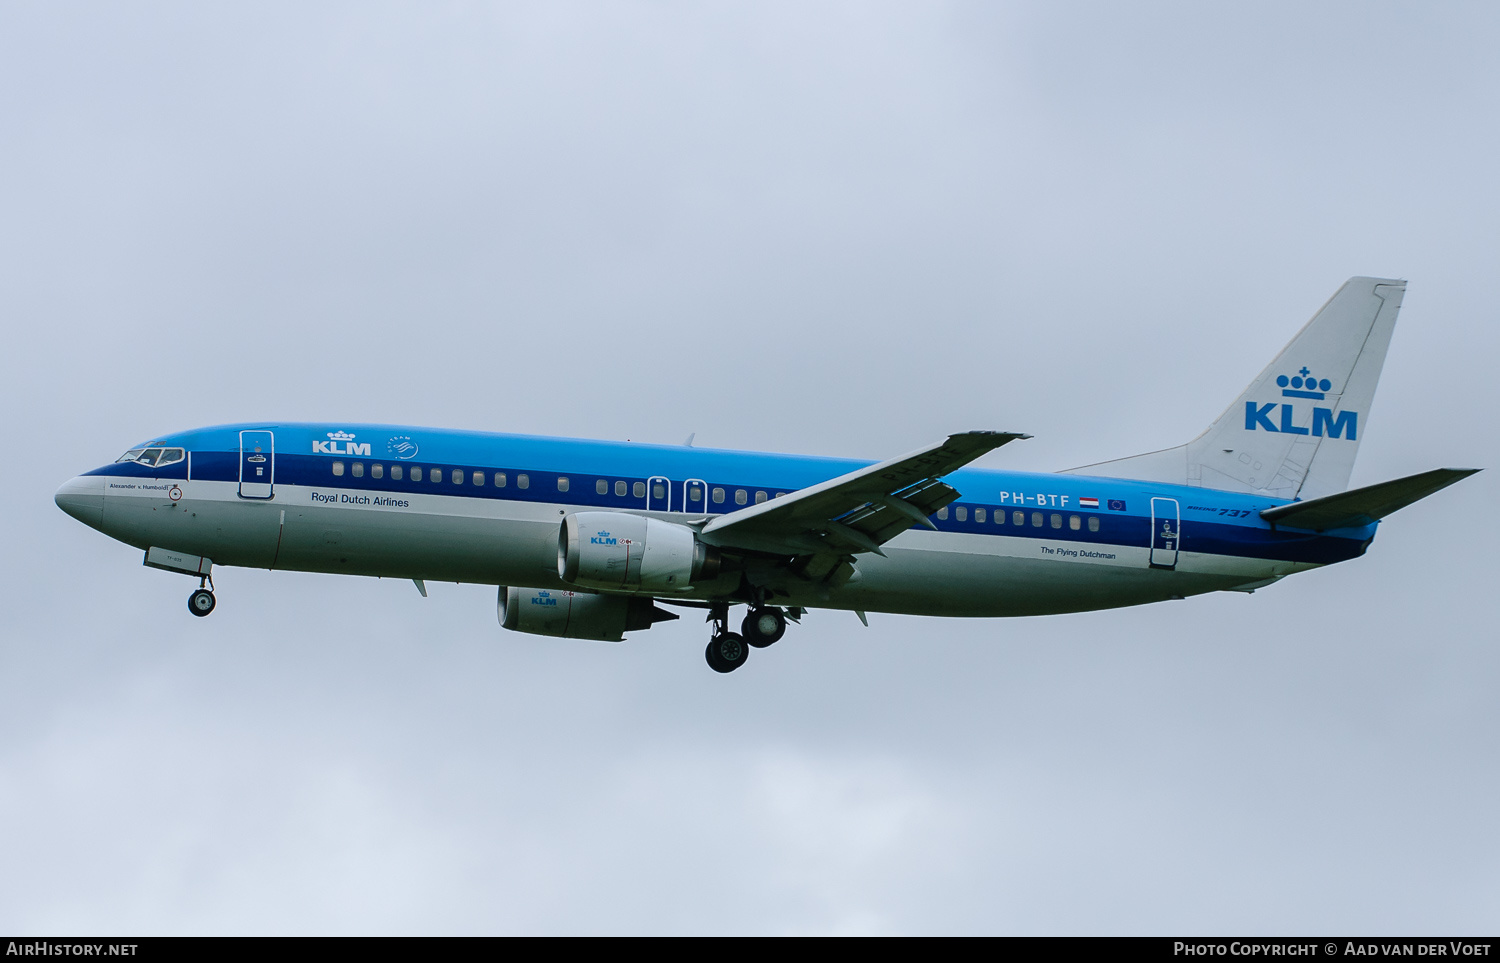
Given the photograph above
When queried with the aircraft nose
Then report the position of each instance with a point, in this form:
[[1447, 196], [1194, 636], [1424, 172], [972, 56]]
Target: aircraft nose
[[83, 498]]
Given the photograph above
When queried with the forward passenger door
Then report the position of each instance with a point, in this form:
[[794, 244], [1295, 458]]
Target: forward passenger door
[[257, 464]]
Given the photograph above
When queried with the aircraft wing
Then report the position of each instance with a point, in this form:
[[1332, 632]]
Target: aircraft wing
[[1362, 506], [857, 512]]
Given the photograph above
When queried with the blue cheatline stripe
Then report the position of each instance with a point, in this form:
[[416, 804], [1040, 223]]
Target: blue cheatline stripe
[[1115, 529]]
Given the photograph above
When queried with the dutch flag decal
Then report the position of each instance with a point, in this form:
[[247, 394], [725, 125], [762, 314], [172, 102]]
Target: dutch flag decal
[[1089, 502]]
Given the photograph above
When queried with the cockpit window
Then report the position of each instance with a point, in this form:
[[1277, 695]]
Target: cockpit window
[[152, 457]]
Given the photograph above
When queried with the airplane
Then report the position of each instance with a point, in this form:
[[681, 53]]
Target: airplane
[[590, 539]]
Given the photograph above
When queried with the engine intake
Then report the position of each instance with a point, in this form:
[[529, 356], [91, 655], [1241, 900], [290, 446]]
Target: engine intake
[[569, 614], [616, 550]]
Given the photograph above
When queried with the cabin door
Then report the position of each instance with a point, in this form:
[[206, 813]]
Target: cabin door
[[694, 497], [257, 464], [658, 494], [1166, 525]]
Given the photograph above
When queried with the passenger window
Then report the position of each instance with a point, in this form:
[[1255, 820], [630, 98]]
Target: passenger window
[[601, 487], [779, 494], [658, 490], [338, 468], [638, 489], [435, 475], [562, 483], [523, 480], [499, 479], [1018, 518], [357, 469], [396, 472], [620, 489], [478, 478], [377, 471], [740, 497], [760, 497], [1036, 519], [718, 496], [457, 476], [1093, 523], [1057, 521], [695, 494], [961, 513], [1074, 522], [943, 512], [980, 515]]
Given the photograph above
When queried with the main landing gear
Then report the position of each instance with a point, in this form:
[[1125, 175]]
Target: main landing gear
[[763, 626], [727, 651], [201, 602]]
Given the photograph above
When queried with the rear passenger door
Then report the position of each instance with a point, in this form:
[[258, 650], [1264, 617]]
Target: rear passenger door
[[1166, 535]]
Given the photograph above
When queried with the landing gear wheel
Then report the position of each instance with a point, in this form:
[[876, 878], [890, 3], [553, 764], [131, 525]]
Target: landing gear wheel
[[764, 626], [201, 602], [726, 652]]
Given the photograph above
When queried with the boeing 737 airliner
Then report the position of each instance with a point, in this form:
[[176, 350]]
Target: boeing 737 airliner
[[588, 539]]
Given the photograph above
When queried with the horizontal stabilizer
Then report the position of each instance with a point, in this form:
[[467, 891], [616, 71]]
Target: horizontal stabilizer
[[1353, 509]]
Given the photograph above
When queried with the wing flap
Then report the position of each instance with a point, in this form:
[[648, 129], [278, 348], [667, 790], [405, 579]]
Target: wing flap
[[1361, 506]]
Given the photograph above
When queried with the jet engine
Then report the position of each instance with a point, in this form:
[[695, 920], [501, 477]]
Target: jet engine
[[615, 550], [577, 615]]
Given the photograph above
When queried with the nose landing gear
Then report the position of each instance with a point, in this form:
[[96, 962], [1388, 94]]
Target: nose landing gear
[[202, 602]]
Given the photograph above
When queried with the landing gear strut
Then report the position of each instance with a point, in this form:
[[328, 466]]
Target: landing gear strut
[[726, 651], [201, 602]]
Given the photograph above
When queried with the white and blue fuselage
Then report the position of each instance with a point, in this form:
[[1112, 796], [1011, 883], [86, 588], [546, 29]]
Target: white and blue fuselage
[[417, 503]]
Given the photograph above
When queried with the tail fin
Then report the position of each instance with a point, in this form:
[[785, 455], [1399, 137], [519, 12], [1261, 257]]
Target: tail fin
[[1295, 431]]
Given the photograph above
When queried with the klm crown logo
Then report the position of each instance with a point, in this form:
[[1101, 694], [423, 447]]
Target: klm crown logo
[[1325, 422], [1303, 385]]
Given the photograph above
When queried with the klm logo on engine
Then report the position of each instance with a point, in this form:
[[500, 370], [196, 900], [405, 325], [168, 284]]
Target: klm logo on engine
[[340, 443], [603, 538], [1325, 421]]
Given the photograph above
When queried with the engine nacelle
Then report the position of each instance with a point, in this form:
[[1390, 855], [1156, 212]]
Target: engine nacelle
[[615, 550], [576, 615]]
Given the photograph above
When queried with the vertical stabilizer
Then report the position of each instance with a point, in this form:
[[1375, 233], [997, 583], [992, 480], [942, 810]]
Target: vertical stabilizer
[[1295, 430]]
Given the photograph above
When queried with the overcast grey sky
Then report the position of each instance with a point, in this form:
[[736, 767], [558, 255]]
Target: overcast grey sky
[[833, 228]]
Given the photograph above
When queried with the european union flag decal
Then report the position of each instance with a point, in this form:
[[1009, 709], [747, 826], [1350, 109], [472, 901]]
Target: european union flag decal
[[1117, 504]]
